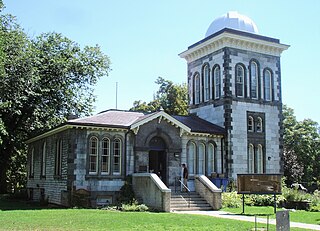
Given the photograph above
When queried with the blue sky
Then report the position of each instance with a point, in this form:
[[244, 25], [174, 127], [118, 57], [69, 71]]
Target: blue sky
[[143, 39]]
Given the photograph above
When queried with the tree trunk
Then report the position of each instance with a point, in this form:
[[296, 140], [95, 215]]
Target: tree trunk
[[3, 180]]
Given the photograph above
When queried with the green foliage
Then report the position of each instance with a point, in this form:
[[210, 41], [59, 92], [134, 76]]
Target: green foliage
[[301, 149], [126, 192], [134, 207], [231, 200], [43, 80], [172, 98]]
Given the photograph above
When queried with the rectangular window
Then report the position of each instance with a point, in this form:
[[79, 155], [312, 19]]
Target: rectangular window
[[58, 158], [105, 156], [31, 167], [43, 160], [116, 157], [93, 155]]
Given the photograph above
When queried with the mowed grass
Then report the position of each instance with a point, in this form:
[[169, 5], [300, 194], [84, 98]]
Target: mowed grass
[[295, 215], [24, 216]]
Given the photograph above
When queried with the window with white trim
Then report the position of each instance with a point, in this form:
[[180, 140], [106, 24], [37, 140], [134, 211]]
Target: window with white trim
[[267, 86], [239, 81], [58, 158], [105, 156], [211, 159], [217, 82], [191, 160], [197, 89], [201, 159], [259, 125], [259, 163], [206, 83], [31, 166], [251, 158], [43, 160], [254, 80], [250, 124], [117, 156], [93, 155]]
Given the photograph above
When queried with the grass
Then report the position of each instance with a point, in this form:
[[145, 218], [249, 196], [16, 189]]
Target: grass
[[25, 216], [296, 215]]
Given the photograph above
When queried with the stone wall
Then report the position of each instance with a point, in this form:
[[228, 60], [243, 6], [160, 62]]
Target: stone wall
[[208, 191], [152, 191]]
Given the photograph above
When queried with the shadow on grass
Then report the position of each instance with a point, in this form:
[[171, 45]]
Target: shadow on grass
[[9, 203]]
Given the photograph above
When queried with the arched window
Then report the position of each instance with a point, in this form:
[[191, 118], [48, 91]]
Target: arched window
[[259, 125], [250, 124], [93, 155], [239, 81], [206, 83], [217, 82], [254, 83], [117, 151], [105, 156], [211, 159], [43, 159], [201, 159], [267, 86], [191, 160], [197, 89], [58, 158], [259, 163], [251, 158]]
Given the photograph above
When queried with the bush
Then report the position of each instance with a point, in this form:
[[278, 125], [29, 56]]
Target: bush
[[134, 207], [231, 200]]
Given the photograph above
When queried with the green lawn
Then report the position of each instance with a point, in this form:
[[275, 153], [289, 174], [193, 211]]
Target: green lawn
[[296, 216], [24, 216]]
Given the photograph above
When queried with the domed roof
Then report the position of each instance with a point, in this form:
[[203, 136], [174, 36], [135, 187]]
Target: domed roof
[[232, 20]]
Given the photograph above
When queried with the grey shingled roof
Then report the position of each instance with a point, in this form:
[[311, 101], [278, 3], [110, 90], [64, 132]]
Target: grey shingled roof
[[197, 124], [114, 118], [124, 119]]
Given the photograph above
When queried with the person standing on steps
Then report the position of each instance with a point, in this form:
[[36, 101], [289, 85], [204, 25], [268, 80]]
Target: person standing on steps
[[184, 177]]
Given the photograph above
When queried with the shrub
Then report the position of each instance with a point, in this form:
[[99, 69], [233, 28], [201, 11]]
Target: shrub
[[231, 200], [134, 207]]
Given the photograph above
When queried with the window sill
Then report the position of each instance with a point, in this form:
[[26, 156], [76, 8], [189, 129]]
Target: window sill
[[103, 177]]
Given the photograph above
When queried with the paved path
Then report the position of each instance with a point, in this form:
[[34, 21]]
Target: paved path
[[227, 215]]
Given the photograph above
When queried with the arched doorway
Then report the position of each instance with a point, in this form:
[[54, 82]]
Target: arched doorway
[[158, 158]]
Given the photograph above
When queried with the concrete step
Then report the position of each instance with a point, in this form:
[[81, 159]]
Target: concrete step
[[188, 202]]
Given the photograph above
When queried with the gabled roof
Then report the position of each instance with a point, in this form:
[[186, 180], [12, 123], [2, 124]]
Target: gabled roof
[[199, 125], [114, 118], [117, 119]]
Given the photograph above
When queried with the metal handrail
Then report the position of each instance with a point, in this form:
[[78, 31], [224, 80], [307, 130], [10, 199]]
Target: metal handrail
[[188, 191]]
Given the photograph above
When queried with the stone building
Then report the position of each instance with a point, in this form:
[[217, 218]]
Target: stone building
[[234, 126]]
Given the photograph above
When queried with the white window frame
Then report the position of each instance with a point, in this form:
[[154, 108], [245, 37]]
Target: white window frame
[[251, 161], [43, 159], [239, 84], [250, 124], [202, 159], [217, 82], [211, 159], [259, 124], [191, 157], [259, 160], [93, 155], [105, 156], [267, 85], [206, 83], [197, 89], [254, 80], [117, 156]]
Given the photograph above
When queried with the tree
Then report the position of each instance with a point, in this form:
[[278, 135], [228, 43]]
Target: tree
[[42, 81], [172, 98], [301, 149]]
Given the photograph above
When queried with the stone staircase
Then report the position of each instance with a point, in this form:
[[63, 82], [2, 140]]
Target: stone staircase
[[188, 202]]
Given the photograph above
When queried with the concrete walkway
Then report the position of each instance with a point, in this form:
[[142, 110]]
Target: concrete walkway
[[227, 215]]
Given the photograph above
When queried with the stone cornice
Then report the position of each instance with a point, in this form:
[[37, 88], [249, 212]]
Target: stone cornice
[[227, 39]]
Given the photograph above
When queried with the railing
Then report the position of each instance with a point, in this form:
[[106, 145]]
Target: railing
[[187, 190]]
